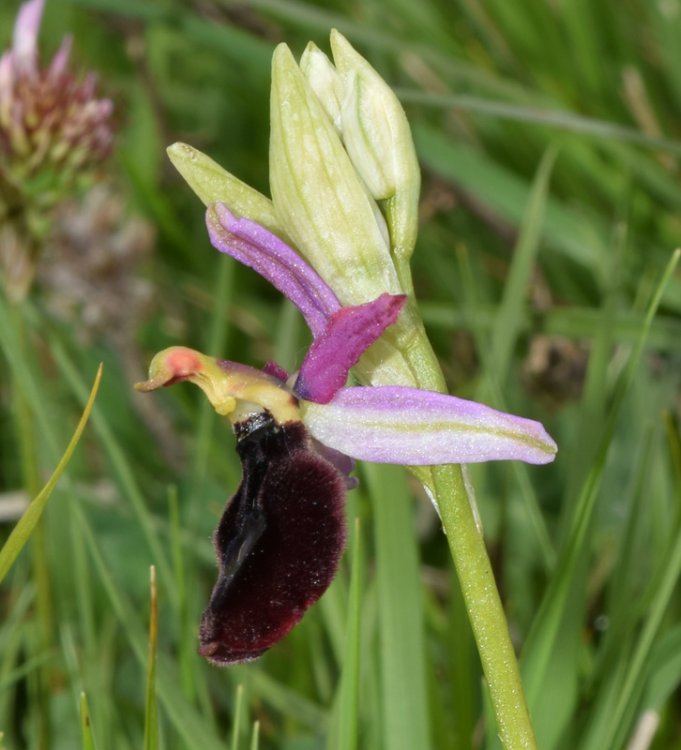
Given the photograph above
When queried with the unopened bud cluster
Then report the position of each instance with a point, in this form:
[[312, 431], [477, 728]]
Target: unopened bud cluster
[[345, 183], [375, 133]]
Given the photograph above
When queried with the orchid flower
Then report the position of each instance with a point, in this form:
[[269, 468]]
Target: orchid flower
[[336, 238], [281, 537]]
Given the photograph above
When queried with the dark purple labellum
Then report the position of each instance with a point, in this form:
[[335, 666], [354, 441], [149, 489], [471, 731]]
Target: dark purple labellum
[[278, 543]]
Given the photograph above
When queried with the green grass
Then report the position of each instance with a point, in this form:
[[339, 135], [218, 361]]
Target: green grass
[[549, 138]]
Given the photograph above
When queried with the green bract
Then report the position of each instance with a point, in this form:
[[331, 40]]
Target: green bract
[[213, 184]]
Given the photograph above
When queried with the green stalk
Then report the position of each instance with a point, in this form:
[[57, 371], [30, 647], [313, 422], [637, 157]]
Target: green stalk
[[474, 570], [485, 611], [30, 475], [419, 367]]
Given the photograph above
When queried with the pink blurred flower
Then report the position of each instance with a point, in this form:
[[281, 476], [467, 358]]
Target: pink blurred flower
[[53, 130], [49, 117]]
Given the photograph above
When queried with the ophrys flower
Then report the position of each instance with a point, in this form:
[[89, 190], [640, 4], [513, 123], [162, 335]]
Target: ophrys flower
[[282, 534]]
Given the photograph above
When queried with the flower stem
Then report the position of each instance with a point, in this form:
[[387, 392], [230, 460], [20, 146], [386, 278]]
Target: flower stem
[[485, 611], [476, 578]]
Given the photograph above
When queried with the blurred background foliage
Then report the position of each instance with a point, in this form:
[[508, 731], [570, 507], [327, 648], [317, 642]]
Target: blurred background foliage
[[549, 136]]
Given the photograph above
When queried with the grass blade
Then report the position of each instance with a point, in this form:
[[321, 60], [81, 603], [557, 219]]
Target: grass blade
[[87, 736], [507, 196], [402, 646], [543, 643], [610, 733], [236, 723], [510, 312], [27, 523], [151, 707], [255, 738], [344, 733], [561, 120], [189, 725], [123, 470]]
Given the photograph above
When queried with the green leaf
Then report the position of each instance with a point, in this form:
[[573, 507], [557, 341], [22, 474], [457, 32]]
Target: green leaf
[[343, 735], [401, 638], [150, 706], [21, 533], [86, 725]]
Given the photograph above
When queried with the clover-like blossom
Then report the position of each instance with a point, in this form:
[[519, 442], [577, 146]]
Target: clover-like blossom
[[53, 131], [48, 116], [280, 538]]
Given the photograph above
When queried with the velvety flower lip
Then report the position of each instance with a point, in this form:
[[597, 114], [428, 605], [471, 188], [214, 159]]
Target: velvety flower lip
[[396, 424], [278, 543]]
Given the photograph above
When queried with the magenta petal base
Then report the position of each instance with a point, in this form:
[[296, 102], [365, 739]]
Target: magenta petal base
[[348, 334]]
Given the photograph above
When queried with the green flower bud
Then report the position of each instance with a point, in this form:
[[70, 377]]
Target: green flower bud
[[318, 196], [378, 139], [324, 81]]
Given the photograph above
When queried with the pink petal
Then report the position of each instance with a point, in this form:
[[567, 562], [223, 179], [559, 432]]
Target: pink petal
[[25, 42], [61, 58], [348, 334], [274, 260], [392, 424]]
